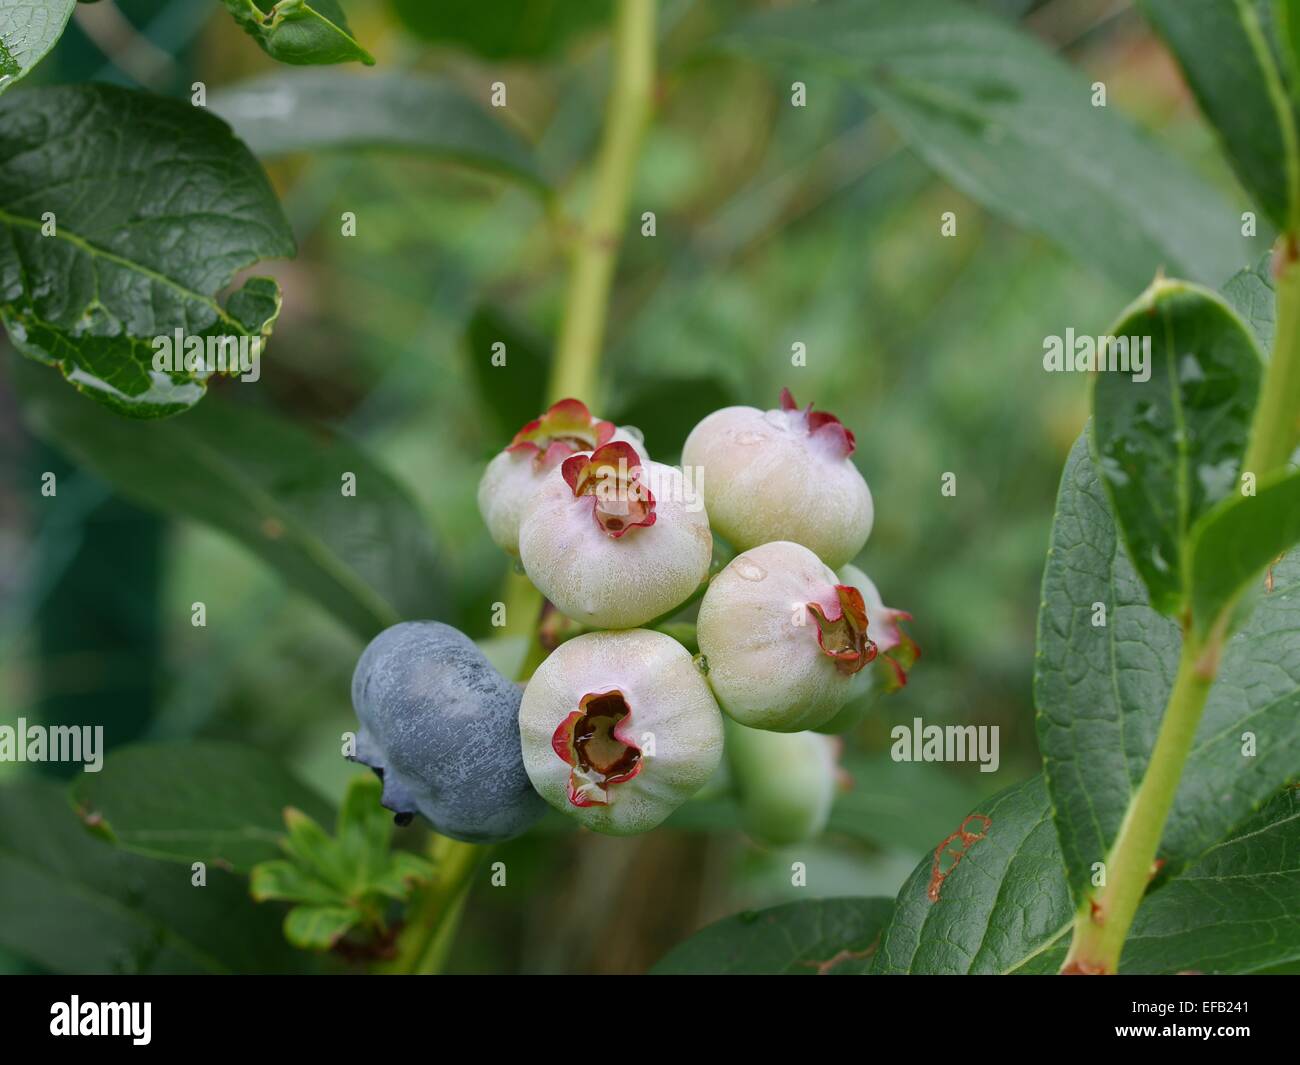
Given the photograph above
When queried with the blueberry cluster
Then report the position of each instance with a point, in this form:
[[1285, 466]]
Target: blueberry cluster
[[620, 725]]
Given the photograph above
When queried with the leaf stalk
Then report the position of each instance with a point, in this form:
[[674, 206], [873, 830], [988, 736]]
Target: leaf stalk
[[595, 249]]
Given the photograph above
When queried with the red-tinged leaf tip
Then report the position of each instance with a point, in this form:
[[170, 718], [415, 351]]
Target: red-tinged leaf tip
[[824, 427], [567, 427], [591, 739], [612, 476], [842, 629]]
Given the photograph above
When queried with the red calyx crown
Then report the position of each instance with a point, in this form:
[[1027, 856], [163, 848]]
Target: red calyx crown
[[822, 426], [842, 630], [842, 635], [589, 739], [566, 427], [612, 476]]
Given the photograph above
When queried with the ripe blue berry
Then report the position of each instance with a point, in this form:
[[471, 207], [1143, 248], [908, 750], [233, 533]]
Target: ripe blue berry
[[441, 727]]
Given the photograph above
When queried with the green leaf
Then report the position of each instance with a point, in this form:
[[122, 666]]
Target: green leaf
[[364, 827], [1013, 127], [348, 869], [74, 904], [1250, 293], [1234, 543], [1002, 902], [1287, 30], [314, 110], [1101, 690], [316, 853], [1234, 911], [154, 207], [318, 927], [514, 394], [284, 880], [365, 835], [271, 485], [1225, 55], [209, 801], [1170, 447], [28, 30], [820, 936], [298, 32], [403, 872], [1005, 908], [503, 29]]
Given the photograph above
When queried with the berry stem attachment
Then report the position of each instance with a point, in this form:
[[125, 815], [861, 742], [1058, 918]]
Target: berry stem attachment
[[595, 249]]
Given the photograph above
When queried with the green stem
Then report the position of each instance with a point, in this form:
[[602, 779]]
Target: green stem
[[1101, 927], [595, 249], [1276, 427], [435, 914], [427, 938]]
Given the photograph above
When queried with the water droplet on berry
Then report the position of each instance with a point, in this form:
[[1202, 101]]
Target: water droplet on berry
[[750, 571], [748, 437]]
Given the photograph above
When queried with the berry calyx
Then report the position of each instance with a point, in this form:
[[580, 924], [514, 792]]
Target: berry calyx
[[834, 433], [842, 630], [606, 550], [618, 729], [566, 427], [515, 473], [592, 741], [895, 651], [612, 475]]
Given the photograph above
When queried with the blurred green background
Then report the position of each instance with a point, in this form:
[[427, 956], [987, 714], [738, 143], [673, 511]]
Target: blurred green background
[[775, 225]]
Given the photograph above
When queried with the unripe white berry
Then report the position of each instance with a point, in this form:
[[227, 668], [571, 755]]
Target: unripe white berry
[[785, 783], [782, 474], [613, 542], [619, 729], [784, 640], [540, 446]]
